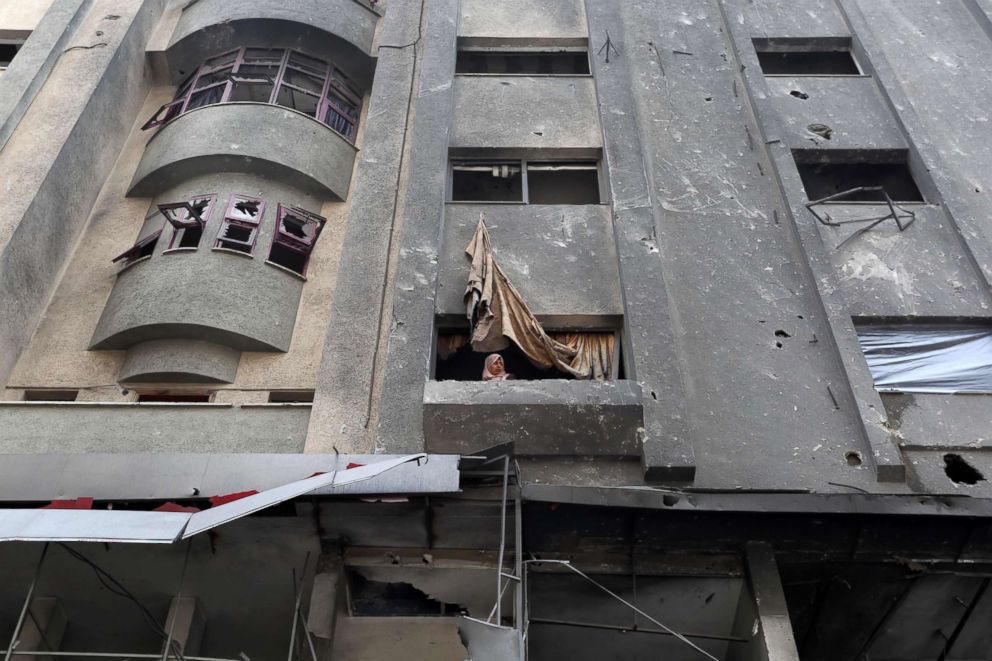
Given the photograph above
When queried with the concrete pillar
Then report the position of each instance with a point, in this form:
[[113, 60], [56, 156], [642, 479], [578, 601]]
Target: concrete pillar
[[186, 620], [43, 629], [326, 601], [763, 616]]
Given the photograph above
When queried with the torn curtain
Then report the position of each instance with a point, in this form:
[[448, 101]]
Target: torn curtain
[[499, 315]]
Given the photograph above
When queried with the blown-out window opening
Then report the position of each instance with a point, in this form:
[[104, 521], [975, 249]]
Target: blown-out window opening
[[278, 76], [188, 220], [297, 231], [143, 247], [240, 227], [525, 182]]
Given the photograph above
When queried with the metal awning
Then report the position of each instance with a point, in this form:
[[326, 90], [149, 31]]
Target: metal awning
[[58, 525]]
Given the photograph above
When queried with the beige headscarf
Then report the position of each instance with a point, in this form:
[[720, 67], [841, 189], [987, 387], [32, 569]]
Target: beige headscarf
[[487, 373]]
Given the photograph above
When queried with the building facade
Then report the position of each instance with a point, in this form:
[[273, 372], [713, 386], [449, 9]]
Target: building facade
[[243, 409]]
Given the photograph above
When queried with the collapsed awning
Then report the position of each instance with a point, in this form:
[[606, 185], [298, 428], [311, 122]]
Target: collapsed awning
[[60, 525]]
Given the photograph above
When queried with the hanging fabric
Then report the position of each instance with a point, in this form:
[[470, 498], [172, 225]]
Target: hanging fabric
[[933, 360], [499, 315]]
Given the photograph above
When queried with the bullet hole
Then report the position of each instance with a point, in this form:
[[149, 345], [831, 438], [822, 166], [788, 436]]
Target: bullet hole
[[778, 345], [654, 396], [781, 333], [853, 459], [821, 130], [709, 597], [761, 321], [799, 95], [708, 99], [670, 500], [111, 17], [541, 133], [960, 471], [978, 190], [799, 316]]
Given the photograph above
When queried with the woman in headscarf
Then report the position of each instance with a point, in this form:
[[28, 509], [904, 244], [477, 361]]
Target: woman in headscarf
[[495, 370]]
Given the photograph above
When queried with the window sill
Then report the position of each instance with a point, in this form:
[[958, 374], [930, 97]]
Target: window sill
[[129, 265], [817, 75], [525, 75], [172, 250], [286, 270], [231, 251]]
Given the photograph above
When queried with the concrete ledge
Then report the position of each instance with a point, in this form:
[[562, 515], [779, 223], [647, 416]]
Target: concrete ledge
[[553, 417], [187, 361], [946, 422], [258, 138], [37, 428]]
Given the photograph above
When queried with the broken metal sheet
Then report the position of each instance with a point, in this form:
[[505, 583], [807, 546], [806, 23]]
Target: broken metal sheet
[[46, 525], [168, 476], [489, 642], [216, 516], [929, 360]]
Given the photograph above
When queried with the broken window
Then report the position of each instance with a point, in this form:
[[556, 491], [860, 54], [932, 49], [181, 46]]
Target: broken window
[[806, 57], [934, 359], [291, 397], [7, 53], [862, 176], [239, 228], [187, 398], [523, 62], [144, 247], [188, 220], [526, 182], [42, 395], [297, 231], [278, 76]]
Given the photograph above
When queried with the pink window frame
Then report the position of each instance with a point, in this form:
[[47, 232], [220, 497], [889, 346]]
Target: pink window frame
[[138, 245], [254, 225], [204, 216]]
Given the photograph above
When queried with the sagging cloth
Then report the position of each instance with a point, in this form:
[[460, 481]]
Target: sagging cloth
[[499, 315]]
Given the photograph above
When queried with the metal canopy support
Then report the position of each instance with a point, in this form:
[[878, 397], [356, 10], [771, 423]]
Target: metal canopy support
[[15, 637], [774, 627]]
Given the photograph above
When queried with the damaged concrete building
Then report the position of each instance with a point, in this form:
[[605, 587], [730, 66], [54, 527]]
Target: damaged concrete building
[[256, 255]]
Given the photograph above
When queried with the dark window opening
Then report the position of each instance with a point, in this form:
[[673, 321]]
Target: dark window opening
[[174, 397], [562, 183], [380, 599], [487, 182], [526, 182], [278, 76], [456, 361], [960, 471], [561, 63], [235, 236], [825, 179], [189, 238], [144, 247], [50, 395], [291, 397], [239, 229], [297, 231], [188, 220], [798, 57], [7, 53]]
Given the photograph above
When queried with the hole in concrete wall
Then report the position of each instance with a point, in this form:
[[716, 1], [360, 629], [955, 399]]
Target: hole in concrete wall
[[822, 179], [803, 57], [670, 500], [781, 333], [561, 63], [487, 182], [291, 397], [179, 397], [853, 458], [799, 95], [960, 471], [562, 183], [42, 395], [379, 599]]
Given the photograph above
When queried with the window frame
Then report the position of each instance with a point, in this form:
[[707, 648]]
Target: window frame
[[808, 45], [232, 219], [292, 242], [203, 217], [524, 51], [332, 81], [130, 255], [525, 165]]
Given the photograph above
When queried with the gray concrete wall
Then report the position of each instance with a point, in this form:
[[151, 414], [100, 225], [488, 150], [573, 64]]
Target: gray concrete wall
[[32, 427], [72, 135], [798, 19], [523, 20], [561, 259], [180, 360], [553, 417], [524, 112], [267, 140]]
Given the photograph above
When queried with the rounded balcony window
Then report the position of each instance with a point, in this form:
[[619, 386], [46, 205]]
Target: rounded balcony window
[[279, 76]]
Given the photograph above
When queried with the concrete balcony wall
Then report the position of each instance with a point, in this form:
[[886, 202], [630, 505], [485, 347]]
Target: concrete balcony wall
[[526, 113], [803, 19], [550, 417], [544, 19], [266, 140], [562, 259], [36, 427]]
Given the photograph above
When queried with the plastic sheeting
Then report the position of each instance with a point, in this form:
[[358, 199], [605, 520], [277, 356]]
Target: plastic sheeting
[[929, 360]]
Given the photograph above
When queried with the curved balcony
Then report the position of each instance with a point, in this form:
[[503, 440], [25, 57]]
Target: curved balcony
[[202, 295], [213, 25], [180, 361], [258, 138]]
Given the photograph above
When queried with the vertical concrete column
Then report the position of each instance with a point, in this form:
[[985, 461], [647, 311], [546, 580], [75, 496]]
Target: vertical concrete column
[[343, 403], [765, 607], [43, 629], [650, 328], [326, 601], [186, 621], [401, 417]]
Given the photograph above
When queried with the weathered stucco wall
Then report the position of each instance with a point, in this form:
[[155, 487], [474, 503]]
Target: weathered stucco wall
[[523, 19], [18, 17]]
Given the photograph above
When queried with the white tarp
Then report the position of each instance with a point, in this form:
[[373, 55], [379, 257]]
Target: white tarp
[[929, 360], [69, 525]]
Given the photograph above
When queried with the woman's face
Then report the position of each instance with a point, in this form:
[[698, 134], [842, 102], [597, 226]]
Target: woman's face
[[497, 366]]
